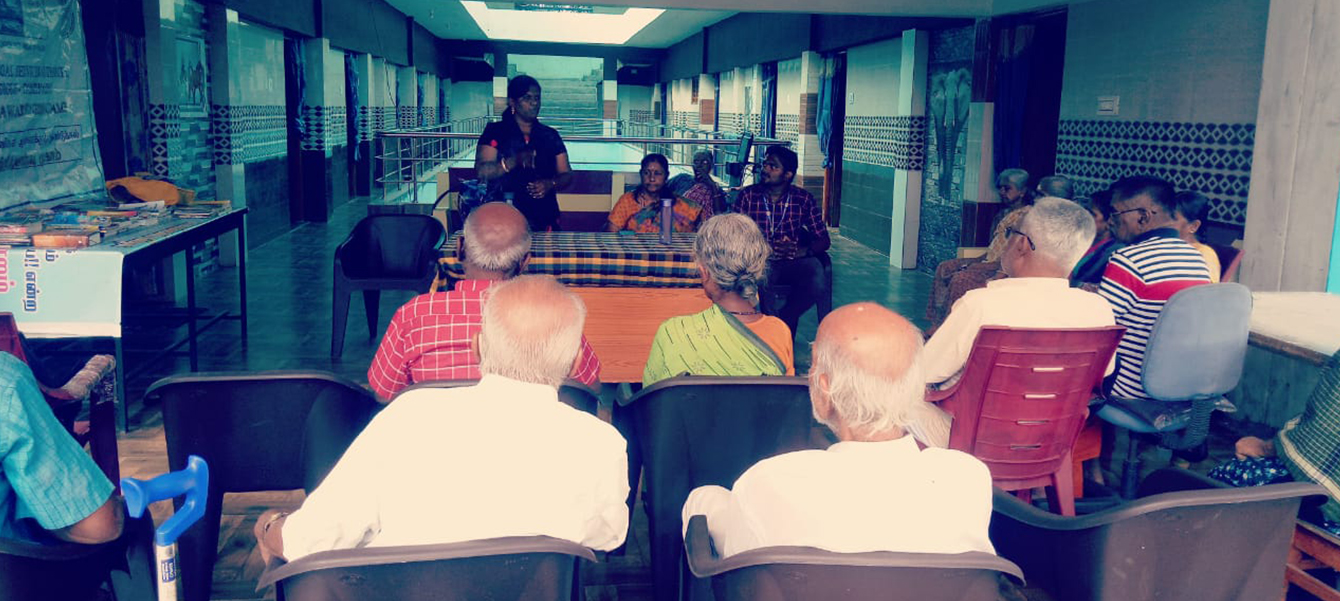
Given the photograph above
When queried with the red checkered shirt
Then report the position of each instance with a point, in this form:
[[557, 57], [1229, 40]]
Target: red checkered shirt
[[429, 339], [783, 221]]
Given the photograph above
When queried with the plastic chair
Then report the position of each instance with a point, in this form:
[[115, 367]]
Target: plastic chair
[[75, 572], [697, 430], [277, 430], [576, 394], [806, 573], [530, 567], [384, 252], [95, 383], [1021, 403], [1194, 357], [1186, 538]]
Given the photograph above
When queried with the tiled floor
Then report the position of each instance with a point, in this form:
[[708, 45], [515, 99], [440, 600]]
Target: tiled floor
[[289, 291]]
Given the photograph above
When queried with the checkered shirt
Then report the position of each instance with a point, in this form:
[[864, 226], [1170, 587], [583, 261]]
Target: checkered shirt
[[783, 221], [429, 339]]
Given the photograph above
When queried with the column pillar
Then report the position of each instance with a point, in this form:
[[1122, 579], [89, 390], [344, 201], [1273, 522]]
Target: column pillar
[[381, 103], [407, 98], [362, 99], [499, 83], [1291, 203], [909, 129], [810, 175], [609, 97], [230, 182], [317, 115]]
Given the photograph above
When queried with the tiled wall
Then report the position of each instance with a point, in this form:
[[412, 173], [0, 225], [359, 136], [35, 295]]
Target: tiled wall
[[868, 143], [179, 130], [949, 68]]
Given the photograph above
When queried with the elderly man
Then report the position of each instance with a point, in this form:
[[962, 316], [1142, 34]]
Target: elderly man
[[429, 337], [705, 190], [794, 226], [1039, 256], [48, 486], [503, 458], [1141, 277], [875, 490], [1056, 186]]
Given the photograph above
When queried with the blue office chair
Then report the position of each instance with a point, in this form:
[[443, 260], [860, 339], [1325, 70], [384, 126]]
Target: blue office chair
[[1194, 358]]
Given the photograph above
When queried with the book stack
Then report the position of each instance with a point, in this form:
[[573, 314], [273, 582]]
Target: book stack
[[17, 229]]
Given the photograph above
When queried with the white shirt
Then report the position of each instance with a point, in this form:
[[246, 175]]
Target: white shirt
[[1010, 302], [853, 497], [502, 458]]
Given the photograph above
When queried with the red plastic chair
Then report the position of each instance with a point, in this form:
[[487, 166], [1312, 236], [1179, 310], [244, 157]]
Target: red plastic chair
[[95, 383], [1021, 403]]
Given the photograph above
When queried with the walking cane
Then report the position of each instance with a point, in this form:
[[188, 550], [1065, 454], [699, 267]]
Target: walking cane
[[192, 482]]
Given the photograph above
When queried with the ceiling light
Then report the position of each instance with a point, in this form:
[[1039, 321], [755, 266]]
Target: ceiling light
[[552, 25]]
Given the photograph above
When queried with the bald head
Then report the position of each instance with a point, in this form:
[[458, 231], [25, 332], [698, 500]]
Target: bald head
[[867, 368], [531, 330], [496, 239]]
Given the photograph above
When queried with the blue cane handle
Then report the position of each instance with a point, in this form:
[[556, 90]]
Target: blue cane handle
[[192, 482]]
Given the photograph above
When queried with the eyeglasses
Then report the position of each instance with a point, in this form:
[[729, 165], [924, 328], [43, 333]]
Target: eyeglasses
[[1009, 231], [1142, 210]]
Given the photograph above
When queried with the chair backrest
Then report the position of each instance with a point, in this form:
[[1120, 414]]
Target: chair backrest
[[9, 337], [76, 572], [806, 573], [1198, 344], [1193, 539], [401, 246], [532, 567], [699, 430], [577, 395], [1020, 403], [272, 430]]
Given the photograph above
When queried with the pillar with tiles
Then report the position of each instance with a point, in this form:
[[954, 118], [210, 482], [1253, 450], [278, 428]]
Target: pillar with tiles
[[810, 175], [499, 83], [361, 96], [609, 97], [321, 126], [909, 127]]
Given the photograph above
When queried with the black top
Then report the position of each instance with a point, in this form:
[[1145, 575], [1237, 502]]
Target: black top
[[506, 136]]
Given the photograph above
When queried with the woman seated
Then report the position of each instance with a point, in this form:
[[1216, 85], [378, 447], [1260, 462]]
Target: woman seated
[[955, 277], [730, 338], [705, 191], [640, 210], [1193, 212], [1093, 264]]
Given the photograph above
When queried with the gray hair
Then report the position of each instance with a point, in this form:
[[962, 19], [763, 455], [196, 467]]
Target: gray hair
[[1061, 229], [1015, 177], [531, 330], [711, 156], [487, 252], [1056, 185], [866, 401], [735, 254]]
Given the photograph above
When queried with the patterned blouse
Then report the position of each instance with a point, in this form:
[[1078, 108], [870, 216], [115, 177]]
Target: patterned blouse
[[639, 213]]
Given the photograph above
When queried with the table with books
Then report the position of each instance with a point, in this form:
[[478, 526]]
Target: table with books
[[630, 284], [61, 272]]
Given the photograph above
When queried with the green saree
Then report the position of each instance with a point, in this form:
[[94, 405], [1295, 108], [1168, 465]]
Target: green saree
[[710, 343]]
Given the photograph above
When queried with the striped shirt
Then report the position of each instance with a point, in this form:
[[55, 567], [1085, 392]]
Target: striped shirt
[[1139, 280], [46, 479], [429, 339]]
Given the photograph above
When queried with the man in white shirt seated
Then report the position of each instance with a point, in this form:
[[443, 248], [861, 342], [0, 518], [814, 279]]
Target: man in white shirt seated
[[1038, 259], [501, 458], [875, 490]]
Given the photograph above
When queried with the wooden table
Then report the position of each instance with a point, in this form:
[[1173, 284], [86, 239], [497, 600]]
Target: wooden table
[[621, 322], [1293, 334]]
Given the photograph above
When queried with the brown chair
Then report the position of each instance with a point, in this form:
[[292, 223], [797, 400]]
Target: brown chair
[[697, 430], [1313, 548], [806, 573], [1021, 403], [538, 568], [94, 383], [1186, 537], [577, 395]]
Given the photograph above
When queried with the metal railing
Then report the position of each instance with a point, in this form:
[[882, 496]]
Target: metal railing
[[412, 158]]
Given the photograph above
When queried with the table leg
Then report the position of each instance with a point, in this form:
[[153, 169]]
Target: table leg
[[242, 276], [190, 308], [122, 407]]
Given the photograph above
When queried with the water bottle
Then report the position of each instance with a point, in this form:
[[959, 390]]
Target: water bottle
[[667, 219]]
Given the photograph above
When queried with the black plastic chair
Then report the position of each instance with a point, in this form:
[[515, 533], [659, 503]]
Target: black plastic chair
[[384, 252], [278, 430], [74, 572], [576, 394], [1187, 538], [527, 568], [698, 430], [806, 573]]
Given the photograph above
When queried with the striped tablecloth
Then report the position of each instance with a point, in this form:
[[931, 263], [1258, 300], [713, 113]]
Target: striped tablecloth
[[604, 259]]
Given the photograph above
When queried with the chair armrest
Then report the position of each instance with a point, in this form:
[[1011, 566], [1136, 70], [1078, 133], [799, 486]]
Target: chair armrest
[[1176, 480], [81, 384], [698, 549]]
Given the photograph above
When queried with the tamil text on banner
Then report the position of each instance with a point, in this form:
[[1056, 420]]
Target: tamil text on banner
[[62, 293], [48, 145]]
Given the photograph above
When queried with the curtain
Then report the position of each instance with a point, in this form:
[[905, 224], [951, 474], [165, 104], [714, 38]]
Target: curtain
[[351, 96], [1013, 74], [768, 107]]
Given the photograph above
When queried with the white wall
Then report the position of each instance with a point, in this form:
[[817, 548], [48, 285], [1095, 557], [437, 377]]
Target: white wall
[[872, 78]]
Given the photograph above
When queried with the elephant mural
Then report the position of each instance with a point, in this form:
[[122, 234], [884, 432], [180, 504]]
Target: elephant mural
[[950, 96]]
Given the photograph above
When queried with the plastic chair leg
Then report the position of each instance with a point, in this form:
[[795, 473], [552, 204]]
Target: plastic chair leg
[[1130, 469], [371, 300], [339, 319], [1061, 493]]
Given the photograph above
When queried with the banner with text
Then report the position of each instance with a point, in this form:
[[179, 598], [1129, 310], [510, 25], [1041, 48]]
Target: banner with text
[[62, 293], [48, 144]]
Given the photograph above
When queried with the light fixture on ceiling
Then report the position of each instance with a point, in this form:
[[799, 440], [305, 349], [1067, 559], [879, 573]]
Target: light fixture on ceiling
[[555, 25]]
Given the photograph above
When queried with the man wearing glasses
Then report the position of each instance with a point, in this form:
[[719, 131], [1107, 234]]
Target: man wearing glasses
[[1039, 256], [1141, 277]]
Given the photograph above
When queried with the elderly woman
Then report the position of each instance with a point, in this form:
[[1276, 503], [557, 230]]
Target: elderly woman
[[640, 210], [705, 190], [730, 338]]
